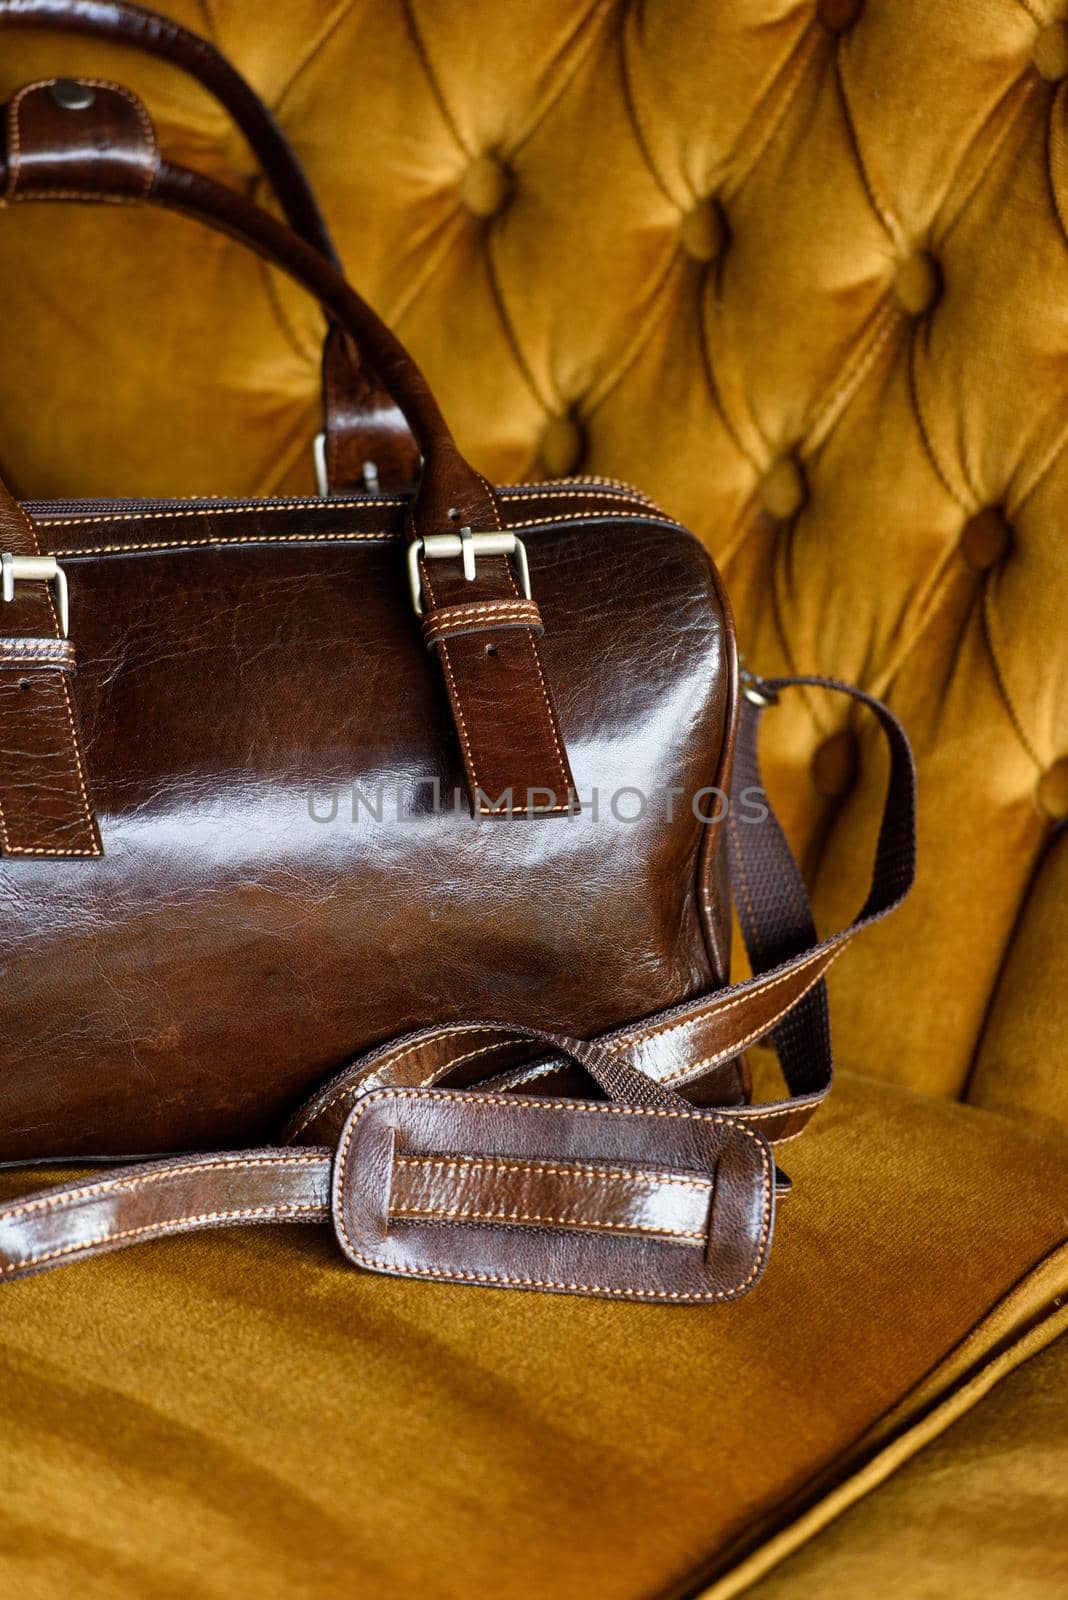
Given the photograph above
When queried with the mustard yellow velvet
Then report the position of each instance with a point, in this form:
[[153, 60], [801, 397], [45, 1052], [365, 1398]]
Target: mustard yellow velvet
[[799, 270], [1002, 1468], [242, 1415], [1021, 1066]]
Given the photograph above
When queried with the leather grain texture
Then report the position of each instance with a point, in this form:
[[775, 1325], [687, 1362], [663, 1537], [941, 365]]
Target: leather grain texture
[[255, 690], [523, 1232], [799, 271], [107, 147]]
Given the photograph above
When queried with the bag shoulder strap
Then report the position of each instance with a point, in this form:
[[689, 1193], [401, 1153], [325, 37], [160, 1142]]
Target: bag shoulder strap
[[643, 1195]]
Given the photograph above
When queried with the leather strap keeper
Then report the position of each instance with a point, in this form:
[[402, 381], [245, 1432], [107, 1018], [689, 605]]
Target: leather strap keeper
[[79, 139], [44, 803], [515, 761], [481, 616], [367, 441]]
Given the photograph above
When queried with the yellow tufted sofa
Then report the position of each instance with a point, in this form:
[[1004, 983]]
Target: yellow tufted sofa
[[801, 272]]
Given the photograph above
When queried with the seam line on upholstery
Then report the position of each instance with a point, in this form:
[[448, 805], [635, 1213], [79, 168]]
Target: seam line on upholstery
[[954, 493], [999, 678], [885, 216]]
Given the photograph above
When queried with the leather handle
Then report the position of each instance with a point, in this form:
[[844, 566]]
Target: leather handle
[[151, 34], [118, 161], [361, 422], [507, 728]]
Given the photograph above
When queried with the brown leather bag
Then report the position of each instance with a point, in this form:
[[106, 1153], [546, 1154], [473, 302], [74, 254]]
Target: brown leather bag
[[439, 768]]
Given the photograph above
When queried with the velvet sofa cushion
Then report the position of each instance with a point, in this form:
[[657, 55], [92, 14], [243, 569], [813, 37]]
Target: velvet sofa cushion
[[979, 1510], [242, 1415]]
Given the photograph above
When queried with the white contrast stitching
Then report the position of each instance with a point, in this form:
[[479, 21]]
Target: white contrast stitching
[[148, 178], [94, 1191], [458, 1029], [278, 1212], [726, 1051], [379, 536]]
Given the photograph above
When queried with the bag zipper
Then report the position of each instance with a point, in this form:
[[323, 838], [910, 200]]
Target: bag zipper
[[102, 506]]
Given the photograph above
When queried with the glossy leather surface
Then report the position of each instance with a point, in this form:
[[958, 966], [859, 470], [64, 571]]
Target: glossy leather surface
[[229, 952], [72, 151], [44, 806], [700, 1231], [638, 1197]]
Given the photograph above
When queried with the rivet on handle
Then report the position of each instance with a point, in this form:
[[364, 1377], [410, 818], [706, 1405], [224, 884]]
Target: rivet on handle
[[72, 95]]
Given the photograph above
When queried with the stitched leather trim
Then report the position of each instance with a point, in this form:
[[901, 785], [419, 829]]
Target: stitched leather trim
[[484, 616], [384, 1116], [114, 163], [44, 801]]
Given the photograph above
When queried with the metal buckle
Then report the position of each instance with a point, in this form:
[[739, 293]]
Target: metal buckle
[[755, 690], [40, 569], [468, 546]]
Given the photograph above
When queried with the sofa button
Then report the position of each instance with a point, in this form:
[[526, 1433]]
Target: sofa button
[[485, 187], [783, 491], [834, 766], [986, 539], [917, 283], [562, 446], [1050, 52], [703, 232], [838, 15], [1052, 791]]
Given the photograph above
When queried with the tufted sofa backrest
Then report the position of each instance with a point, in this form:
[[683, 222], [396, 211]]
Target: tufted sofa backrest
[[798, 270]]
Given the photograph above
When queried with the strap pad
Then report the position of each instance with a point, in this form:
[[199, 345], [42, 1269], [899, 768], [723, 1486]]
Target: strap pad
[[668, 1203]]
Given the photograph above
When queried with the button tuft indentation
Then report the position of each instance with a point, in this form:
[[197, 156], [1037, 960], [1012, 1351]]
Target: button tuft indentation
[[1052, 790], [486, 186], [986, 539], [918, 283], [838, 15], [1050, 52], [783, 490], [562, 446], [703, 232]]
